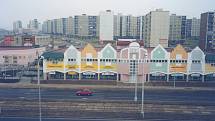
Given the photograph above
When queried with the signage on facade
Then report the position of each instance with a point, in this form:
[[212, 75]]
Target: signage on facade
[[177, 74], [89, 73], [72, 73], [107, 73], [158, 74], [52, 72], [195, 75], [71, 67]]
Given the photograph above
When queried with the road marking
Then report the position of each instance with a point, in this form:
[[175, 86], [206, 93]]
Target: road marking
[[183, 107], [187, 112], [206, 112], [200, 107], [169, 111], [21, 97], [84, 98]]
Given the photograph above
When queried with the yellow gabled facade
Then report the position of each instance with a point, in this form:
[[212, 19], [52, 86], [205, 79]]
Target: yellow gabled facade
[[178, 54], [89, 61]]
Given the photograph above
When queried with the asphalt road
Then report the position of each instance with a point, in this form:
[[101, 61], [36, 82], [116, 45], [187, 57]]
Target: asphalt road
[[186, 97]]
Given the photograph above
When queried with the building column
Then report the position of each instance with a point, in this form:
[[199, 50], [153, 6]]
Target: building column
[[45, 76], [203, 78], [144, 77], [149, 77], [64, 76], [117, 77], [79, 76], [98, 76], [187, 79], [167, 77]]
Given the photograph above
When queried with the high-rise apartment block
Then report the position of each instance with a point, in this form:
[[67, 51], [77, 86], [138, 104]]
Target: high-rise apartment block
[[86, 26], [47, 27], [156, 28], [33, 24], [177, 30], [106, 25], [207, 31], [58, 26], [193, 28], [69, 26], [17, 25], [126, 27]]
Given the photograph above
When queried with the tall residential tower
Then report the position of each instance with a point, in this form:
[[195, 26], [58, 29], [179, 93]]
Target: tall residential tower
[[207, 31], [156, 28]]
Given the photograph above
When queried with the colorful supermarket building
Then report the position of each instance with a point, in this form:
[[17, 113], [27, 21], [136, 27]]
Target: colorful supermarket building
[[129, 64]]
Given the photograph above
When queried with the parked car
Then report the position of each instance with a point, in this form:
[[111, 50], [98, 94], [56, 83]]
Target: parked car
[[84, 92]]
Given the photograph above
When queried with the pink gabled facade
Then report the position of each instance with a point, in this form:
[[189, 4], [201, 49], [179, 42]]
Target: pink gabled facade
[[131, 62]]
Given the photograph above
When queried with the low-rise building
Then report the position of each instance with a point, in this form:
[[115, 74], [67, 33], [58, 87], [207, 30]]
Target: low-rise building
[[19, 55], [130, 64]]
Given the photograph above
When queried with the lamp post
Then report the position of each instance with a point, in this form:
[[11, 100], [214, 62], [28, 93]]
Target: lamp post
[[142, 102], [38, 83], [134, 78]]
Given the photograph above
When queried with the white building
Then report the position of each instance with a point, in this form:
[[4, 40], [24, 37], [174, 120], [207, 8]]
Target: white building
[[17, 25], [106, 25], [156, 28], [33, 24], [69, 26]]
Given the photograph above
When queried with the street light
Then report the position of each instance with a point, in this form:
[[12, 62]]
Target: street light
[[135, 96], [38, 83], [142, 104]]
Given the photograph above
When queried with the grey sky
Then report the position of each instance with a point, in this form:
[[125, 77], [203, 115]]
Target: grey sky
[[24, 10]]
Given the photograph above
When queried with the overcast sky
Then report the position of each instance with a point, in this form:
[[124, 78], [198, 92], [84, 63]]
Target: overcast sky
[[24, 10]]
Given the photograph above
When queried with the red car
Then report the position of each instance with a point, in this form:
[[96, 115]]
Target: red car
[[84, 92]]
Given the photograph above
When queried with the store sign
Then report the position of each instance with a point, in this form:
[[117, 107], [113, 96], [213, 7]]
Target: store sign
[[177, 74], [108, 67], [52, 72], [158, 74], [72, 73], [107, 73], [89, 73], [195, 75], [71, 67]]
